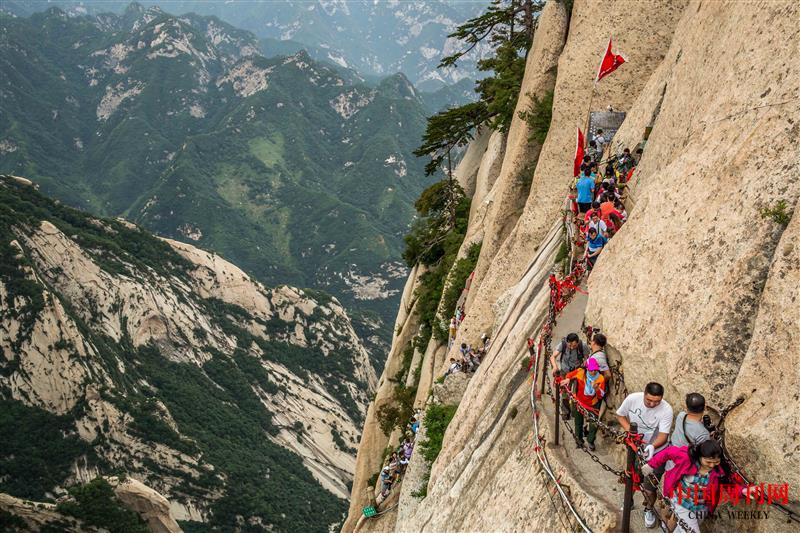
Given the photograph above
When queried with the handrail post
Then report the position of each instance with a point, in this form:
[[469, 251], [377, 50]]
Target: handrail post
[[544, 372], [558, 415], [627, 503]]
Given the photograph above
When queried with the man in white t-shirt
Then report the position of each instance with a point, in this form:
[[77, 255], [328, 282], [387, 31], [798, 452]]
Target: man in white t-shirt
[[597, 223], [653, 418]]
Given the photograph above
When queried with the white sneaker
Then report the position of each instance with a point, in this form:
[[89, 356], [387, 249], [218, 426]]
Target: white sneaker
[[650, 519]]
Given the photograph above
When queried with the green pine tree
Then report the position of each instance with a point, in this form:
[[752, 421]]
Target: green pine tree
[[509, 27]]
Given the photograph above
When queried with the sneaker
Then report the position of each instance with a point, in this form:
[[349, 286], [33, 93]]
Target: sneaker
[[579, 445], [591, 447], [650, 519]]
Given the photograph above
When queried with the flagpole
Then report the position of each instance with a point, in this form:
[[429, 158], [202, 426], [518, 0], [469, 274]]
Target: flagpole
[[587, 137], [587, 134]]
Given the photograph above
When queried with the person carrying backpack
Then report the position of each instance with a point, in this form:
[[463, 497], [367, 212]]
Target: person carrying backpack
[[690, 428], [590, 392], [569, 355]]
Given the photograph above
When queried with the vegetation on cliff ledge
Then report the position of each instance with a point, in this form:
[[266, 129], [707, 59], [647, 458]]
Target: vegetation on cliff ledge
[[437, 418], [96, 504], [434, 241]]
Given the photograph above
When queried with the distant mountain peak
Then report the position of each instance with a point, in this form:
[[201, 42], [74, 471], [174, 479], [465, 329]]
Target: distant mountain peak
[[400, 85], [134, 8]]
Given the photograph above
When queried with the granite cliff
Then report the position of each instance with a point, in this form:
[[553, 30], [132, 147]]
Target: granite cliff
[[698, 290], [122, 352]]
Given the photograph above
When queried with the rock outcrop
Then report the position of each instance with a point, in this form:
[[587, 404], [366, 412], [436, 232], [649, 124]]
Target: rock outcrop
[[147, 503], [698, 290], [22, 515], [25, 515], [710, 285], [95, 311]]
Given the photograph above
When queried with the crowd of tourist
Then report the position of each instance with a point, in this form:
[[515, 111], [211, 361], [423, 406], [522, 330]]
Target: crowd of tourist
[[455, 321], [684, 454], [470, 357], [599, 211], [394, 466]]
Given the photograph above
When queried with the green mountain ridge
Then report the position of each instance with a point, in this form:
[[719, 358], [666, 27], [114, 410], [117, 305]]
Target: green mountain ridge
[[291, 169], [374, 38]]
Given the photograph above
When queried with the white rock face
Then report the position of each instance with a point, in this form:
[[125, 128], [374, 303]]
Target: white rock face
[[147, 503], [247, 78], [59, 367], [7, 146], [349, 103], [114, 56], [114, 96], [197, 111]]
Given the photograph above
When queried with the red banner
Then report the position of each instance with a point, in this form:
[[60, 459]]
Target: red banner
[[609, 64], [576, 168]]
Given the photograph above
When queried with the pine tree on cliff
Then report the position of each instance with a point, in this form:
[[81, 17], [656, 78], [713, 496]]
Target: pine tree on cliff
[[508, 27]]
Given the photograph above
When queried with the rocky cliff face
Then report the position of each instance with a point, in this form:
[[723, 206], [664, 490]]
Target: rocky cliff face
[[710, 288], [697, 291], [165, 361]]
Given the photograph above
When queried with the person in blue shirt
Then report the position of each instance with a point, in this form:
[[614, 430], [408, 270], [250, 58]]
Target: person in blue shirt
[[414, 425], [594, 245], [585, 187]]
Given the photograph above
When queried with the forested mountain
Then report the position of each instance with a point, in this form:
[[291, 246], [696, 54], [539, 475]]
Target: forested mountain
[[292, 169], [128, 353], [374, 38]]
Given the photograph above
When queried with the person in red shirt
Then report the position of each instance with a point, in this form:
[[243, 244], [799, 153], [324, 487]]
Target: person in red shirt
[[595, 207], [591, 389], [609, 213]]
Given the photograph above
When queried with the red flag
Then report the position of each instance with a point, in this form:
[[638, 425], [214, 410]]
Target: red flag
[[609, 64], [578, 154]]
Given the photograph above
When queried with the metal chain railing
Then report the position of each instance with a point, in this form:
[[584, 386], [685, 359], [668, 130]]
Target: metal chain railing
[[561, 291], [539, 441], [594, 457]]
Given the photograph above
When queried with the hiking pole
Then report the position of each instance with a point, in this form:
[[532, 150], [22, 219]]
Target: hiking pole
[[627, 503]]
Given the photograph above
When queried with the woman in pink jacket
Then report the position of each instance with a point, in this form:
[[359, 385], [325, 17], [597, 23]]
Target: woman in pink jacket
[[694, 483]]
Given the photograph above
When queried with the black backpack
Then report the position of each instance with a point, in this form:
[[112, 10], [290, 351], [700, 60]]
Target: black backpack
[[563, 348]]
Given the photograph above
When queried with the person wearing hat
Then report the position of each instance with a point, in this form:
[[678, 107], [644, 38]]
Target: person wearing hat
[[386, 480], [591, 389], [569, 355]]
